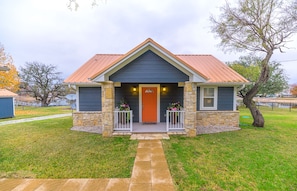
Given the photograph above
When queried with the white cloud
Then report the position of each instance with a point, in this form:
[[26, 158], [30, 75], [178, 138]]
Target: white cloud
[[46, 31]]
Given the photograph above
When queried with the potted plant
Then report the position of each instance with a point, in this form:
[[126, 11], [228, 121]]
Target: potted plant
[[174, 106], [123, 117], [124, 106]]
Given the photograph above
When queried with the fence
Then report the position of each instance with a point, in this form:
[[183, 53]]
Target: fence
[[123, 120], [175, 120], [274, 104]]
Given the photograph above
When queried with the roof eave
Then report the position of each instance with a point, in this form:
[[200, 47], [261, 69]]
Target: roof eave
[[197, 78], [82, 83], [224, 83]]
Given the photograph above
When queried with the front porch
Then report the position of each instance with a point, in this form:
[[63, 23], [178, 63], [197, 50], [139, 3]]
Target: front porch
[[151, 128], [123, 123]]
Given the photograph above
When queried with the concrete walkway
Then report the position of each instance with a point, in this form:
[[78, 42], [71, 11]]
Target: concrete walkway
[[34, 119], [150, 173]]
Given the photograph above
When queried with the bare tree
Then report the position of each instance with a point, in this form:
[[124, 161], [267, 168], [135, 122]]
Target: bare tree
[[42, 81], [258, 26], [74, 4]]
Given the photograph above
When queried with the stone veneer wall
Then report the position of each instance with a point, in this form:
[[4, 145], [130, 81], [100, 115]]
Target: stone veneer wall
[[87, 119], [217, 120], [108, 105], [190, 97]]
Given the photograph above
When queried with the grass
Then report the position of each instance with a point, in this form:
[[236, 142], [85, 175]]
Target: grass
[[249, 159], [22, 112], [49, 149]]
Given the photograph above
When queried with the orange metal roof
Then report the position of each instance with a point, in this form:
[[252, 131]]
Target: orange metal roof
[[97, 63], [207, 66], [6, 93], [214, 69]]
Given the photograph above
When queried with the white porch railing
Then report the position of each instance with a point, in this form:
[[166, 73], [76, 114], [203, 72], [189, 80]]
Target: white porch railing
[[123, 120], [175, 120]]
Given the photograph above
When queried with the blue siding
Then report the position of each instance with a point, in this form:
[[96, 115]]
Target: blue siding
[[149, 68], [225, 98], [90, 99], [6, 107], [173, 94], [198, 98], [132, 98]]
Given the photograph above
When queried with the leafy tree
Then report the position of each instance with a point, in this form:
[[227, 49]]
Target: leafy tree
[[42, 81], [293, 90], [260, 27], [250, 68], [9, 78]]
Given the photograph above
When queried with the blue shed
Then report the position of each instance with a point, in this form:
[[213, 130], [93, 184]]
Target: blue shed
[[6, 104]]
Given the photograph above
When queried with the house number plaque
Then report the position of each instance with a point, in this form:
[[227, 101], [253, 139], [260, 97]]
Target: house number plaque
[[149, 91]]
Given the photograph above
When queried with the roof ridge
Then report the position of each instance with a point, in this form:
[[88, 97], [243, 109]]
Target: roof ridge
[[110, 54], [193, 55]]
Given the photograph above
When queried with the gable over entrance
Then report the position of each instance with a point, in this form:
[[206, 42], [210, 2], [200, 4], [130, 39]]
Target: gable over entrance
[[149, 68], [150, 50]]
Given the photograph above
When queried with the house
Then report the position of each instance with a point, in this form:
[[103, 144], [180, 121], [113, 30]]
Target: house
[[7, 109], [149, 78]]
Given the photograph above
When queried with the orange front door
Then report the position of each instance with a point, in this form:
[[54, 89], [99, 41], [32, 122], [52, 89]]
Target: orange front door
[[149, 104]]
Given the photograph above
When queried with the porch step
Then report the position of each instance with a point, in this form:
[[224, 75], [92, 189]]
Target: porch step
[[149, 136], [176, 133], [121, 133]]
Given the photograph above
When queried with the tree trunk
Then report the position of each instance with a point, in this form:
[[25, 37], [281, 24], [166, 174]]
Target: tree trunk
[[248, 98], [44, 103], [257, 115]]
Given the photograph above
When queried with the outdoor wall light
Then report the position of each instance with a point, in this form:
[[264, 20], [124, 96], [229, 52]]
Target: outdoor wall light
[[134, 89], [164, 89]]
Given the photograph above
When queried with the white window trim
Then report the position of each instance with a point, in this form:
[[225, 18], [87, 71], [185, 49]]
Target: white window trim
[[77, 98], [235, 99], [202, 98]]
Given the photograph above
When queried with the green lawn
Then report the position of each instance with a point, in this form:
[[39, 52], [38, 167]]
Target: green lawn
[[249, 159], [49, 149], [22, 112]]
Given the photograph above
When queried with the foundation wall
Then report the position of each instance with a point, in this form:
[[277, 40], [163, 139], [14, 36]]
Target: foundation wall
[[87, 119], [216, 121]]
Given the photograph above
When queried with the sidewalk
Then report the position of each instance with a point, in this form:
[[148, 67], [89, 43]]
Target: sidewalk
[[34, 119], [150, 173]]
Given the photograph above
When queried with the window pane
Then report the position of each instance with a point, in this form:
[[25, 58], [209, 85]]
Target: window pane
[[208, 92], [208, 102]]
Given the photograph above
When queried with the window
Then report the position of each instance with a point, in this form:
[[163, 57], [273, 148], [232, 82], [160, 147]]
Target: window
[[208, 98]]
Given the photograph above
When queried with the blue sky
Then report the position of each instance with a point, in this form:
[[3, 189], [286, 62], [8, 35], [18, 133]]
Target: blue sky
[[48, 32]]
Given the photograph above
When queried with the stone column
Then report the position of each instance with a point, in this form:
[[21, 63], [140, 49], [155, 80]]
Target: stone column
[[108, 105], [190, 99]]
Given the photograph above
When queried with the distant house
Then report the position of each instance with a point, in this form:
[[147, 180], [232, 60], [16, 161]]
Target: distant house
[[7, 109], [149, 78]]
